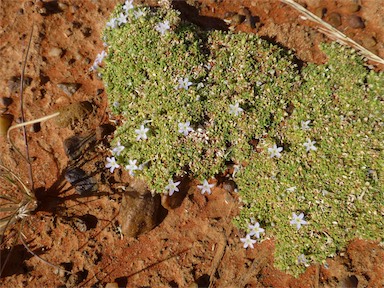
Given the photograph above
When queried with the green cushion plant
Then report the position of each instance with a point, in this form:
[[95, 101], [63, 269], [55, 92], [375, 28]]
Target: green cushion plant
[[194, 101]]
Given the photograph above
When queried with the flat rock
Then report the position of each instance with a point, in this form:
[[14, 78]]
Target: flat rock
[[334, 19], [355, 22], [139, 212]]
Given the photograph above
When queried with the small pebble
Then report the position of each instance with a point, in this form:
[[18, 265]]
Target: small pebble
[[42, 11], [355, 22], [55, 52], [62, 6], [334, 19], [229, 186], [68, 32], [368, 41], [69, 88], [80, 224]]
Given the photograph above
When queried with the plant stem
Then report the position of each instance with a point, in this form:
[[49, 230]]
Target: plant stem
[[30, 172]]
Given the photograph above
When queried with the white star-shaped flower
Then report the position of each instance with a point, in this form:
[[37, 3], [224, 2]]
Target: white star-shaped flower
[[128, 5], [122, 19], [94, 67], [298, 220], [172, 187], [310, 145], [255, 230], [275, 151], [184, 83], [100, 57], [302, 260], [162, 27], [185, 128], [112, 23], [248, 242], [305, 125], [235, 109], [138, 13], [141, 133], [118, 149], [131, 167], [206, 187], [112, 164]]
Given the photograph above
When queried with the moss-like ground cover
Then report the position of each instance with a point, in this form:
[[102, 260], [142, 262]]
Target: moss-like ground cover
[[195, 101]]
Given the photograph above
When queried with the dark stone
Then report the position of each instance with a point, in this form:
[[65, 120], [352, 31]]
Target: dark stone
[[355, 22], [334, 19]]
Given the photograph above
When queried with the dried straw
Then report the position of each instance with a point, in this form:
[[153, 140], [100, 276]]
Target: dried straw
[[333, 33]]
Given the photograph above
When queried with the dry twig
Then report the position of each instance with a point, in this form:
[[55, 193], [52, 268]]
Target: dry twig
[[333, 33]]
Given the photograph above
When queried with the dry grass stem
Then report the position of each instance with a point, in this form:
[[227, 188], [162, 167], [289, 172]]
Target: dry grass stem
[[333, 33]]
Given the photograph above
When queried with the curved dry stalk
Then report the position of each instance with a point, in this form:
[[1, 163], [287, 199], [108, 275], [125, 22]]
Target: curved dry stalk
[[15, 208], [23, 124], [20, 236], [37, 256], [333, 33]]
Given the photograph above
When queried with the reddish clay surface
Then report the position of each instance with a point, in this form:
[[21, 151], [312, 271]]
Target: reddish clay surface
[[196, 244]]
